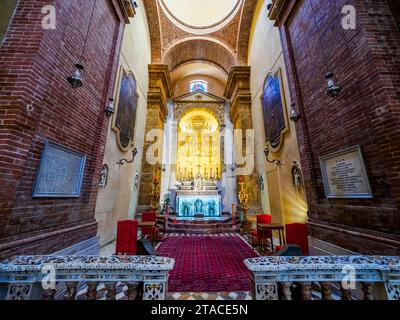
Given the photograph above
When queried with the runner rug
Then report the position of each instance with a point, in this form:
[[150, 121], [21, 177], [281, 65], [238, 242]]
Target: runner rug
[[208, 263]]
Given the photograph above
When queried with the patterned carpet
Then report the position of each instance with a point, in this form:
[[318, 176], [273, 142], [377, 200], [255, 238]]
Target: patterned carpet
[[208, 263]]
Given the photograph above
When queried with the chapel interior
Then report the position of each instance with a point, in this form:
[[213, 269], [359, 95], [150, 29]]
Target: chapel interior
[[199, 150]]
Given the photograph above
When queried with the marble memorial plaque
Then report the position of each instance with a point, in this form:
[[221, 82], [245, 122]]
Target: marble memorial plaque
[[344, 174], [60, 173]]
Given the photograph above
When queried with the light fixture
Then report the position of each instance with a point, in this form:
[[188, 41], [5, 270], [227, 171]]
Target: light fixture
[[134, 153], [275, 161], [294, 116], [75, 80], [333, 89], [110, 108]]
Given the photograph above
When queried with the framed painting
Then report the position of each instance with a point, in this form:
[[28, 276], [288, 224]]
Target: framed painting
[[60, 172], [125, 114], [274, 111]]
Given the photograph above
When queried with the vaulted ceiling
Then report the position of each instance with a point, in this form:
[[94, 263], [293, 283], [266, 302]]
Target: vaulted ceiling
[[187, 35]]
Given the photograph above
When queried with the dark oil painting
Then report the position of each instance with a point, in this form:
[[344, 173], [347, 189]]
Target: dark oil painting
[[273, 112], [126, 112]]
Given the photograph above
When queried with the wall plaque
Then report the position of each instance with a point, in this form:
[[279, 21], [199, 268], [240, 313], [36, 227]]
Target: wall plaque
[[60, 172], [344, 174]]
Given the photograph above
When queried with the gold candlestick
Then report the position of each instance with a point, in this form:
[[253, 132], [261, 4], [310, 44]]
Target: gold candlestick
[[244, 200]]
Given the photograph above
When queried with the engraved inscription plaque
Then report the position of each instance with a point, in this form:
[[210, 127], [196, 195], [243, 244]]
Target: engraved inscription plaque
[[60, 173], [344, 174]]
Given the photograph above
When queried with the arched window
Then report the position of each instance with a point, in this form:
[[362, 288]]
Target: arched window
[[198, 85]]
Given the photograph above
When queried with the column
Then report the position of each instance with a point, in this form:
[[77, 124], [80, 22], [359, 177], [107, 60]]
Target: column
[[157, 98], [237, 90]]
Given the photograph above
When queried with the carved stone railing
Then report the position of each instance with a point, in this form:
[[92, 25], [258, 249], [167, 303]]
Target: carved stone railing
[[356, 277], [42, 277]]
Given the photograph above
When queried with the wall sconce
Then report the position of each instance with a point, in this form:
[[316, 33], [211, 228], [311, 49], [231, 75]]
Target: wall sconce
[[75, 80], [110, 108], [333, 89], [275, 161], [294, 116], [122, 161]]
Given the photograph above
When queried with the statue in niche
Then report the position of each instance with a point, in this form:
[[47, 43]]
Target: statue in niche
[[262, 183], [186, 209], [198, 205], [103, 176], [296, 175], [211, 208]]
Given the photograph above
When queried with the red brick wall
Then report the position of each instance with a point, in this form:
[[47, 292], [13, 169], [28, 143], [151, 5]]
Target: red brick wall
[[366, 63], [34, 65]]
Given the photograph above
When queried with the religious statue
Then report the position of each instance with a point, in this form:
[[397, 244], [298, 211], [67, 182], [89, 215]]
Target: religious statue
[[211, 209], [103, 176], [198, 204], [296, 175]]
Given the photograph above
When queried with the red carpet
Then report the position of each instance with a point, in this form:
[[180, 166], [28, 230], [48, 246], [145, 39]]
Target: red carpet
[[207, 264]]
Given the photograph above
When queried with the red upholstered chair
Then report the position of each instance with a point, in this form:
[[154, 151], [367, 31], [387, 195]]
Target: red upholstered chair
[[127, 231], [255, 233], [297, 233], [152, 231]]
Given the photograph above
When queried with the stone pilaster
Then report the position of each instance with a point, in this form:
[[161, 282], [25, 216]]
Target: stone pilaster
[[237, 90], [157, 98]]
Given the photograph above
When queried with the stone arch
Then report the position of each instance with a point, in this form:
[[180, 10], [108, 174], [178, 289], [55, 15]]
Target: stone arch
[[199, 50]]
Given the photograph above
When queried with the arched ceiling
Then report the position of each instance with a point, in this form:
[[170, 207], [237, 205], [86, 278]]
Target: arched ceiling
[[198, 69], [213, 32], [199, 50]]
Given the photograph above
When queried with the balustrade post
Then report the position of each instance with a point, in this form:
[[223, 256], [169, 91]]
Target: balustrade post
[[286, 292], [111, 290], [305, 290], [346, 293], [368, 290], [70, 294], [326, 292], [91, 291], [132, 292], [49, 294]]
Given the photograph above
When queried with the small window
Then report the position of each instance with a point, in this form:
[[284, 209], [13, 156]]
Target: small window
[[198, 85]]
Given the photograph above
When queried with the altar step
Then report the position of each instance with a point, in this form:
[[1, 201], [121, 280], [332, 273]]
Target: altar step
[[200, 226]]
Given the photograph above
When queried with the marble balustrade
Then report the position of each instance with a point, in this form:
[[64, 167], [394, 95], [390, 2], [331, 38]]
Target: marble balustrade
[[40, 277], [356, 277]]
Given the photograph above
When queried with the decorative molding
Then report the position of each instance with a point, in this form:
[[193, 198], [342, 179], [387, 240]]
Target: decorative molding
[[238, 81], [128, 9], [160, 86]]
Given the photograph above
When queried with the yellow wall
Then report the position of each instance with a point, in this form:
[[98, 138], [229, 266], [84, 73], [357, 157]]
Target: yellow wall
[[265, 56], [118, 199]]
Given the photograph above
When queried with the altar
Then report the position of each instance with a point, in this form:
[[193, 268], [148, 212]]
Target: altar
[[198, 198], [198, 205]]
